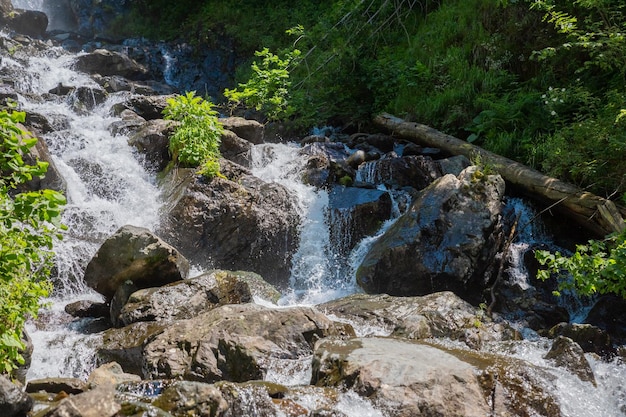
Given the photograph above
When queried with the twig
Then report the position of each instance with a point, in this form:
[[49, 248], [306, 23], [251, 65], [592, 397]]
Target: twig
[[505, 249]]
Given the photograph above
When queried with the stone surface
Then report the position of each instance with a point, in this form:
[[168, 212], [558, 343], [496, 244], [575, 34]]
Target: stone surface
[[590, 338], [236, 223], [235, 149], [125, 345], [184, 398], [148, 107], [28, 22], [568, 354], [412, 379], [405, 378], [447, 240], [234, 342], [13, 401], [105, 62], [134, 254], [186, 299], [110, 374], [438, 315], [397, 172], [152, 141], [250, 130], [355, 213], [98, 402], [57, 385]]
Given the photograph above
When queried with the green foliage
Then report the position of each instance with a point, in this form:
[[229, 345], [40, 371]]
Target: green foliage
[[29, 223], [196, 140], [267, 90], [597, 267]]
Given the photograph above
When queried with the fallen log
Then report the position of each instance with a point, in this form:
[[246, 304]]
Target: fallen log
[[596, 214]]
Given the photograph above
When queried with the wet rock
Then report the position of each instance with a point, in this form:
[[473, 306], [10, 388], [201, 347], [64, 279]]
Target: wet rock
[[125, 345], [249, 130], [110, 374], [99, 401], [234, 342], [409, 379], [413, 379], [52, 180], [568, 354], [186, 299], [236, 223], [438, 315], [84, 99], [355, 213], [446, 240], [87, 308], [152, 141], [453, 165], [397, 172], [57, 385], [184, 398], [28, 22], [590, 338], [327, 163], [106, 63], [148, 107], [8, 95], [235, 149], [134, 254], [131, 122], [13, 401], [385, 143], [609, 314]]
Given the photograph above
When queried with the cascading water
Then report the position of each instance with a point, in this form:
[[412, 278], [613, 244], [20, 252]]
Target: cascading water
[[106, 188]]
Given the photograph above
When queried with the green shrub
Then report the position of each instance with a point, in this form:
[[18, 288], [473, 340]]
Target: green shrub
[[597, 267], [29, 223], [197, 139], [267, 90]]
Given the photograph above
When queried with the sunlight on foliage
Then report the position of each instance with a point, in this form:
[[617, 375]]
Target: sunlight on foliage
[[267, 90], [29, 224], [196, 141], [599, 267]]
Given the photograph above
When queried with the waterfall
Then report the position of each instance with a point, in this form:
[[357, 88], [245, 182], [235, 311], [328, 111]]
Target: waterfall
[[106, 189], [59, 12]]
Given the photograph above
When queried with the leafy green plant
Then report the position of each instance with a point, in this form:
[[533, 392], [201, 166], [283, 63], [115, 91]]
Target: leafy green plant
[[196, 141], [267, 90], [597, 267], [29, 223]]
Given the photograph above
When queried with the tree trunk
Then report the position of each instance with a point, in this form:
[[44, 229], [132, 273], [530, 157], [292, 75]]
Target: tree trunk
[[596, 214]]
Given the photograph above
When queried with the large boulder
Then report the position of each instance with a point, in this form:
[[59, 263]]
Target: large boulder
[[355, 213], [13, 401], [27, 22], [413, 379], [415, 171], [192, 399], [152, 141], [438, 315], [188, 298], [134, 255], [99, 401], [250, 130], [235, 149], [148, 107], [447, 240], [235, 222], [234, 342], [105, 63], [125, 345]]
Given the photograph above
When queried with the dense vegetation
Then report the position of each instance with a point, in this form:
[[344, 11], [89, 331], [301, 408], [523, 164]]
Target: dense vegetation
[[196, 139], [540, 81], [29, 222]]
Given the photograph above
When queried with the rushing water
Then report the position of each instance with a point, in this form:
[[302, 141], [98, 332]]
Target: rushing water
[[108, 188]]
